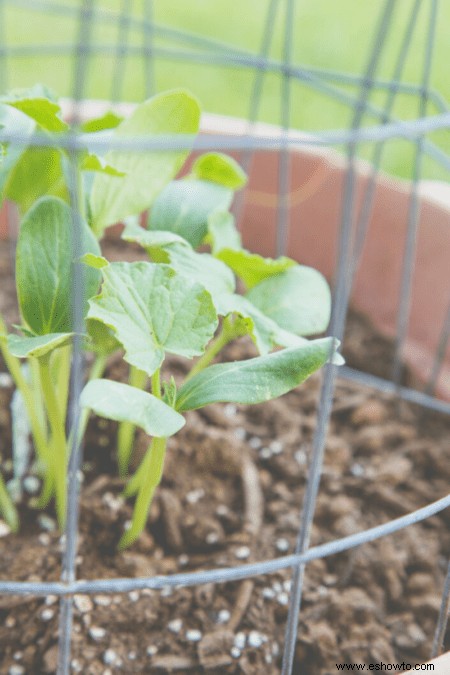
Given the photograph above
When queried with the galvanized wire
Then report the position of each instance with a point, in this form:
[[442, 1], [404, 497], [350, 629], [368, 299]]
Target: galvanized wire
[[255, 100], [284, 154], [370, 189], [123, 30], [336, 329], [147, 48], [68, 574], [439, 355], [444, 611], [405, 297], [224, 575], [410, 130]]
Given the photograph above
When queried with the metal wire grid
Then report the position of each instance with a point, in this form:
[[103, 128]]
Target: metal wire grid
[[208, 50]]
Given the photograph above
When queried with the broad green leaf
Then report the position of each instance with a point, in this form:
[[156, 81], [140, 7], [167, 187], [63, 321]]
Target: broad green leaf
[[174, 112], [222, 232], [107, 121], [95, 261], [167, 247], [255, 380], [38, 172], [45, 271], [92, 162], [184, 206], [101, 339], [34, 171], [45, 112], [264, 332], [12, 120], [251, 267], [153, 241], [26, 347], [122, 403], [219, 168], [153, 310], [297, 299]]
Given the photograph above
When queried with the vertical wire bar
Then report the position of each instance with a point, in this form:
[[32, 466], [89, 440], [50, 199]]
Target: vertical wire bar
[[255, 97], [147, 49], [284, 160], [369, 195], [414, 210], [121, 50], [444, 611], [4, 70], [439, 356], [75, 457], [336, 329]]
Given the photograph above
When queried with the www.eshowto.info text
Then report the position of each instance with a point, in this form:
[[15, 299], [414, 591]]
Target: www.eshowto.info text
[[392, 667]]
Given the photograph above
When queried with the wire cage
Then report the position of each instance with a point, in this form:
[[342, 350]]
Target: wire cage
[[132, 44]]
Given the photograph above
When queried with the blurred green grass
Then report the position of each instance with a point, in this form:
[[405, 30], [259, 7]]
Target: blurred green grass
[[329, 35]]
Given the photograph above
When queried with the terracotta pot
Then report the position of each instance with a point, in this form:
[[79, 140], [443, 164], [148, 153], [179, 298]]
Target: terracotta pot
[[316, 188], [315, 199]]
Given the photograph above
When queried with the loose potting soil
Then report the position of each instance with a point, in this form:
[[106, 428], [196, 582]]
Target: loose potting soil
[[232, 492]]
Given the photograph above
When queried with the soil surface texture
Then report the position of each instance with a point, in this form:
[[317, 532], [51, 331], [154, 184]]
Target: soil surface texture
[[232, 492]]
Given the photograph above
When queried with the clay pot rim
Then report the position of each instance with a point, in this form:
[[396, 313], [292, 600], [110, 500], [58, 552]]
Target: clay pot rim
[[435, 191]]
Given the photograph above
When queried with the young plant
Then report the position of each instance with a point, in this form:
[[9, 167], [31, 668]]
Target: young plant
[[181, 302], [40, 180], [185, 302]]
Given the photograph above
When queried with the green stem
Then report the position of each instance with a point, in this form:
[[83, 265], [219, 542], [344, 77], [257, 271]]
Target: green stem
[[14, 368], [225, 336], [7, 507], [125, 434], [156, 383], [58, 438], [60, 371], [154, 461], [37, 392], [61, 362], [97, 370]]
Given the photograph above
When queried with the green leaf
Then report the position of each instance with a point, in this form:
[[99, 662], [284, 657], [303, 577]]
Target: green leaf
[[222, 232], [34, 171], [12, 120], [95, 261], [101, 339], [153, 310], [26, 347], [38, 172], [45, 270], [122, 403], [92, 162], [167, 247], [298, 300], [184, 206], [43, 111], [170, 392], [219, 168], [264, 332], [251, 267], [107, 121], [175, 112], [255, 380]]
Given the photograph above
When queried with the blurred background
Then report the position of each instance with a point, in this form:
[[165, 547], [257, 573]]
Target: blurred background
[[211, 48]]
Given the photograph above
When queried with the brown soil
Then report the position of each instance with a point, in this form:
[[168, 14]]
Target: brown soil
[[377, 603]]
